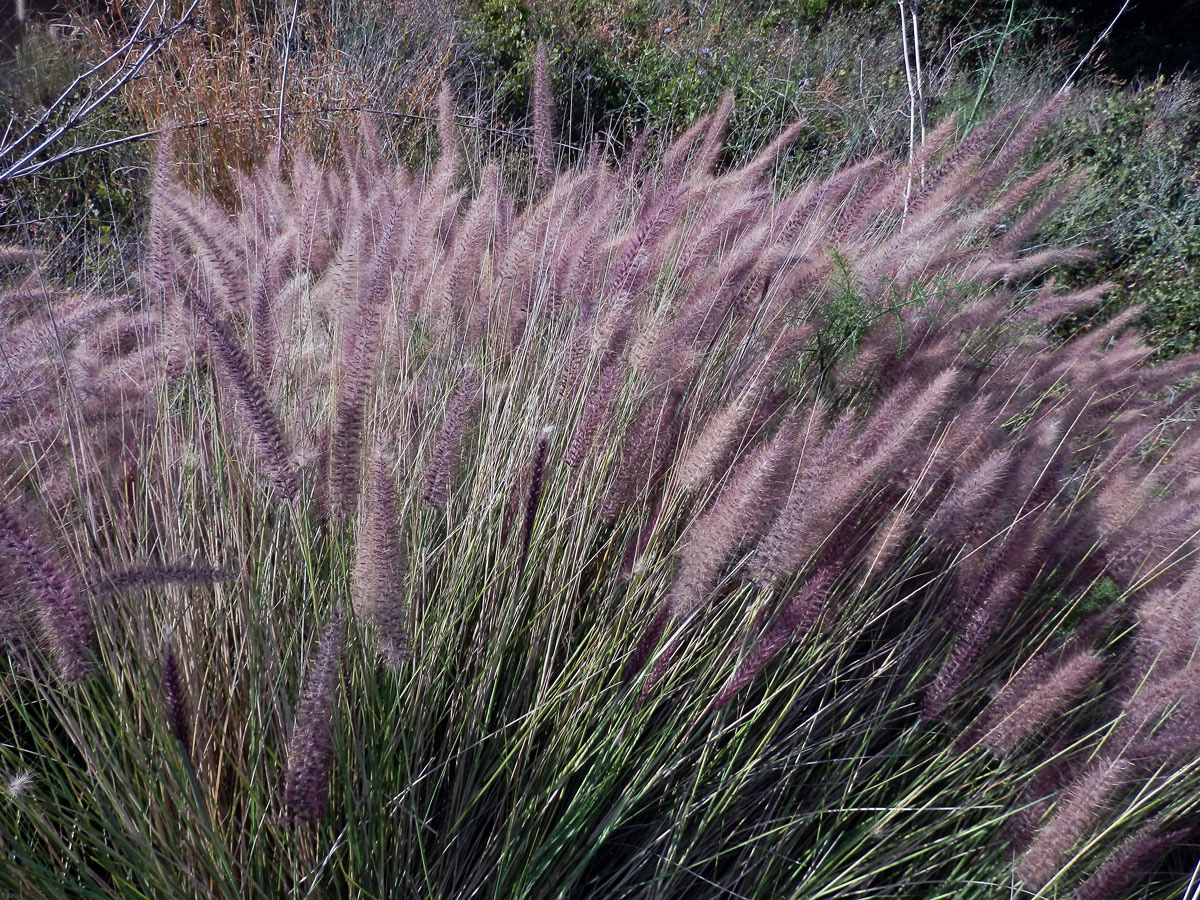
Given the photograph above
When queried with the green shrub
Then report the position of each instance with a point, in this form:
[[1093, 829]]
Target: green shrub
[[1140, 206]]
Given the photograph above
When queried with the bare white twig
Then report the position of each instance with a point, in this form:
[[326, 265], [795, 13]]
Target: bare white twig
[[908, 78], [287, 55], [912, 77], [18, 155], [918, 71], [1092, 49]]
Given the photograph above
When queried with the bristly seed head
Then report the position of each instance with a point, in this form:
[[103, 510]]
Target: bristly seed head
[[20, 784]]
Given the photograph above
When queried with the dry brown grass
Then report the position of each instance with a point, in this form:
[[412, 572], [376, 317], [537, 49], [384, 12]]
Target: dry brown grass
[[220, 85]]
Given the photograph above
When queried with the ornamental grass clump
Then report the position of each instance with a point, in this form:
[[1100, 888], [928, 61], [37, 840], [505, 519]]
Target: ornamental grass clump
[[675, 536]]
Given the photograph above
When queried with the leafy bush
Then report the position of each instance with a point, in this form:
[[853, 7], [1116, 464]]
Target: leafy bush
[[1140, 206], [621, 68], [640, 65], [566, 565]]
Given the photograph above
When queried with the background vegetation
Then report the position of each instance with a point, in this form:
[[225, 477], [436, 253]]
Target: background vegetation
[[476, 501]]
